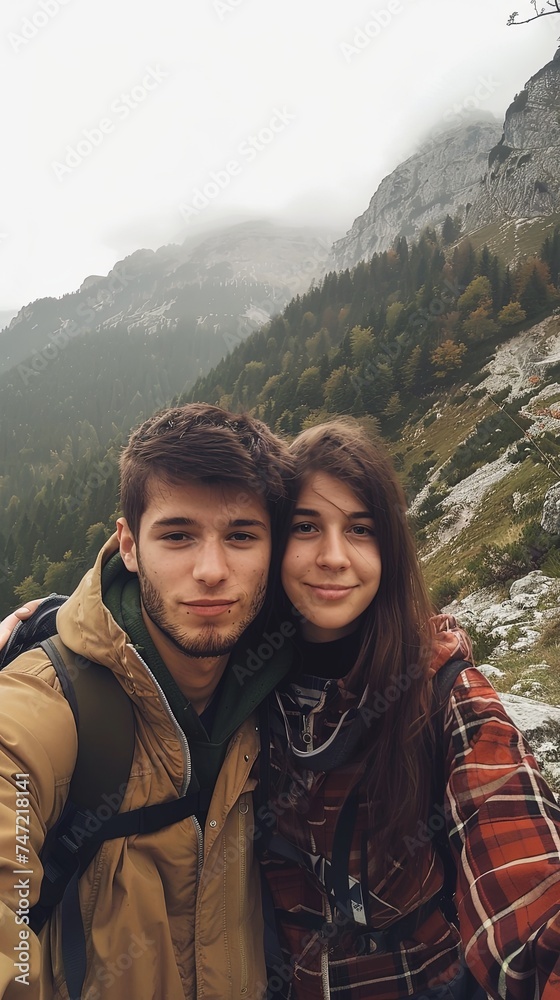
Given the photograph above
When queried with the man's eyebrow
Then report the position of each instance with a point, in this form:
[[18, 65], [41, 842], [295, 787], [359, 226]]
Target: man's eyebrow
[[190, 522], [353, 515], [169, 522]]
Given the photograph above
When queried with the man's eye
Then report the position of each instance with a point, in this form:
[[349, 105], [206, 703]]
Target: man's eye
[[241, 536], [176, 536]]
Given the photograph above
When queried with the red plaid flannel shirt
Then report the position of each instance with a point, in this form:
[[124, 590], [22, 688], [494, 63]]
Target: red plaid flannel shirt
[[504, 830]]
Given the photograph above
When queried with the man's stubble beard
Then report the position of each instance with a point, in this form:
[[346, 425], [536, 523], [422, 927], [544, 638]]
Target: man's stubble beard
[[208, 643]]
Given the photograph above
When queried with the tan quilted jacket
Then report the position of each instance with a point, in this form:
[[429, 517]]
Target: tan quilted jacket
[[168, 915]]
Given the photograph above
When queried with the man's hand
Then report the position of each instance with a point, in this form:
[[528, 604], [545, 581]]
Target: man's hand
[[8, 625]]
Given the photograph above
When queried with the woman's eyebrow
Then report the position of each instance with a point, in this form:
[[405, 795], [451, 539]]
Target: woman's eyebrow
[[354, 515]]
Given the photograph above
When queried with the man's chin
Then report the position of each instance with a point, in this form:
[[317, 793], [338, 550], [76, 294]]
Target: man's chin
[[211, 653], [203, 647]]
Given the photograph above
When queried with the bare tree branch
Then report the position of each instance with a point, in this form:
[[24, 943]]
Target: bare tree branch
[[553, 4]]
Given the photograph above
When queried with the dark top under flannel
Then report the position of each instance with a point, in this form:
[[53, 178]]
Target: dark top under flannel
[[504, 828]]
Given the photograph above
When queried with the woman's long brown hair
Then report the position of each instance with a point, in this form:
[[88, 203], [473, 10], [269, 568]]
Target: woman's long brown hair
[[395, 651]]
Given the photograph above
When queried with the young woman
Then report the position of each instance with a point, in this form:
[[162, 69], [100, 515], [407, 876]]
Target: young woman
[[369, 800]]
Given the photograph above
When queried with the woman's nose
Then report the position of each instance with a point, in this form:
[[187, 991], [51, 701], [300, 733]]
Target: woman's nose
[[333, 553]]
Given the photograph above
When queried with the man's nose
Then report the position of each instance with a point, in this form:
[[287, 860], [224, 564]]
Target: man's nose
[[210, 566]]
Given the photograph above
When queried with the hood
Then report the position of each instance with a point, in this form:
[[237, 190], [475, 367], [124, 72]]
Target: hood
[[86, 625]]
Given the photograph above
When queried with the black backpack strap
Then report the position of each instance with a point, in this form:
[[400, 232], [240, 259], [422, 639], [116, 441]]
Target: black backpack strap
[[366, 941], [105, 723], [102, 712], [340, 864], [104, 720], [443, 684]]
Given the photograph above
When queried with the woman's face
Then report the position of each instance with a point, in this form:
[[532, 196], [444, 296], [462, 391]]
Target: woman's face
[[331, 568]]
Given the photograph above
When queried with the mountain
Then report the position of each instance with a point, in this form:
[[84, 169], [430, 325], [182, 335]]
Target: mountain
[[441, 179], [523, 175], [501, 185], [211, 291], [6, 316], [520, 188], [76, 373]]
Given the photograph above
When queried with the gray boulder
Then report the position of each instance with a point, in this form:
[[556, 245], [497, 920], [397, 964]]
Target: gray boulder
[[550, 520]]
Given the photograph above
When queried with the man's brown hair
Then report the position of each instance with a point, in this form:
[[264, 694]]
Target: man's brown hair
[[205, 444]]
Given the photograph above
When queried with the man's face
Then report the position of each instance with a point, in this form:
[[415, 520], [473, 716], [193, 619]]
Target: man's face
[[202, 557]]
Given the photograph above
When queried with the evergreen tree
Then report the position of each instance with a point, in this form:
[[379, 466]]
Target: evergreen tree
[[484, 263], [448, 231], [310, 389], [340, 393], [533, 286]]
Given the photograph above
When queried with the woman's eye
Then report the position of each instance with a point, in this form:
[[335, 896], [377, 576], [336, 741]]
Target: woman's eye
[[362, 531], [304, 528]]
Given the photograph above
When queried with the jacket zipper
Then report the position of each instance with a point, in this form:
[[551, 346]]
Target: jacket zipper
[[243, 809], [325, 959], [187, 768], [186, 754], [200, 848], [307, 731]]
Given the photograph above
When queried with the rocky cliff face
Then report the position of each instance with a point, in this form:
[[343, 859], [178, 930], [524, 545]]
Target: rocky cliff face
[[479, 172], [442, 178], [522, 178]]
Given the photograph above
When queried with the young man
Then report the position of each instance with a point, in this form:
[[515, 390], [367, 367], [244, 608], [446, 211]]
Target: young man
[[174, 608]]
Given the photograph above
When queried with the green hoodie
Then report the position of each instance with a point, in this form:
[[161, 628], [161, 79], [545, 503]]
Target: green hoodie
[[246, 682]]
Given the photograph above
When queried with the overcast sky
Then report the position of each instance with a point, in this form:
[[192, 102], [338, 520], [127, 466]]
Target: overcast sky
[[118, 115]]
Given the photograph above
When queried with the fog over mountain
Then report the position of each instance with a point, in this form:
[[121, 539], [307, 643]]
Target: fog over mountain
[[102, 161]]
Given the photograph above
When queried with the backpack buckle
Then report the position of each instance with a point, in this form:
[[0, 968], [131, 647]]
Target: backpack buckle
[[69, 843], [371, 943]]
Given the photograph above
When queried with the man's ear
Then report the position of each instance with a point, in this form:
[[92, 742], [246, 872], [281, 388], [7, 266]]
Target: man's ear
[[127, 545]]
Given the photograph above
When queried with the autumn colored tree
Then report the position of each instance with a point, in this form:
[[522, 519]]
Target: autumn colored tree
[[392, 316], [447, 357], [478, 293], [512, 314], [479, 324], [361, 340], [308, 321]]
